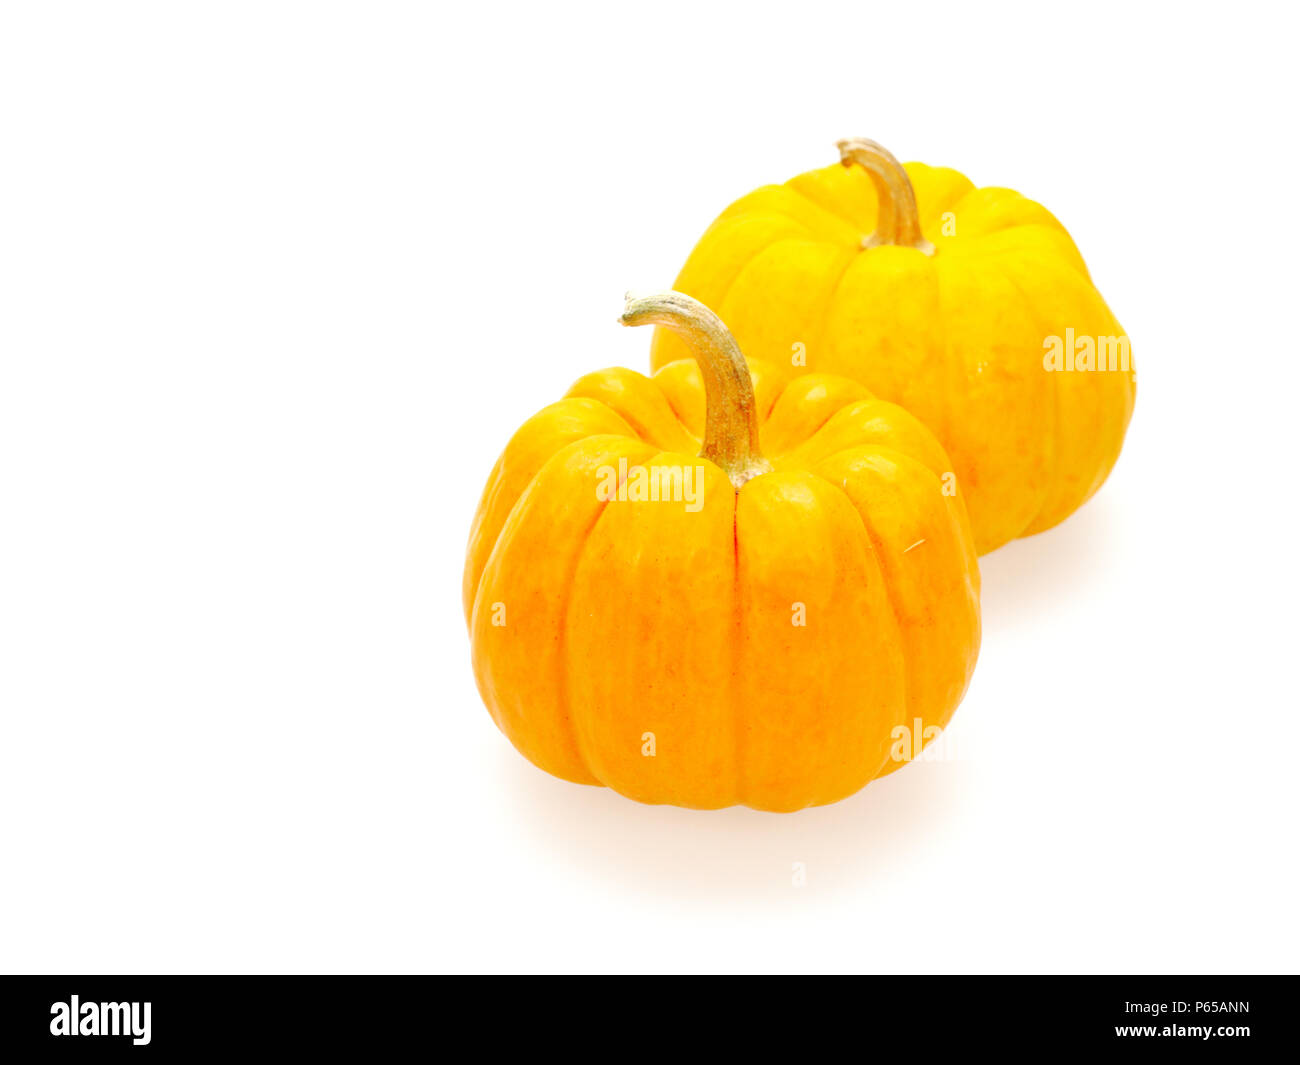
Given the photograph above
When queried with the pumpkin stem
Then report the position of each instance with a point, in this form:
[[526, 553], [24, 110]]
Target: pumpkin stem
[[731, 413], [897, 219]]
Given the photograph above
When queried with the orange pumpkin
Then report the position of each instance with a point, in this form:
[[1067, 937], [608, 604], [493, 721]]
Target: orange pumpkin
[[760, 620], [970, 307]]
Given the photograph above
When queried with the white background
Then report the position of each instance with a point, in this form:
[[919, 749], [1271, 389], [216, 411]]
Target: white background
[[277, 282]]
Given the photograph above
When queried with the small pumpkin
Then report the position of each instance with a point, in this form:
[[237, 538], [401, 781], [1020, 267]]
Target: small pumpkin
[[971, 307], [797, 597]]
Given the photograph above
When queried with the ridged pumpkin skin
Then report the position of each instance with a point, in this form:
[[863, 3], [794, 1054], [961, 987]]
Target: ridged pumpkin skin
[[957, 336], [623, 618]]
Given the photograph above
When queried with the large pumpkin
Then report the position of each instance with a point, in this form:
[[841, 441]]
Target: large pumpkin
[[774, 618], [970, 307]]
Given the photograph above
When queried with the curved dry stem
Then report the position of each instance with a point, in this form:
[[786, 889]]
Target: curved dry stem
[[897, 219], [731, 413]]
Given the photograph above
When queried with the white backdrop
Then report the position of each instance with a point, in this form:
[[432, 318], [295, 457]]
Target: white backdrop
[[277, 282]]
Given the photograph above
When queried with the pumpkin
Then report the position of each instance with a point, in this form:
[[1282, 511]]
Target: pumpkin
[[711, 586], [971, 307]]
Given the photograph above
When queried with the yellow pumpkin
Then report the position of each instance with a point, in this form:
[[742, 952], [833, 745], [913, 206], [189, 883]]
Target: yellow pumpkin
[[773, 618], [971, 307]]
